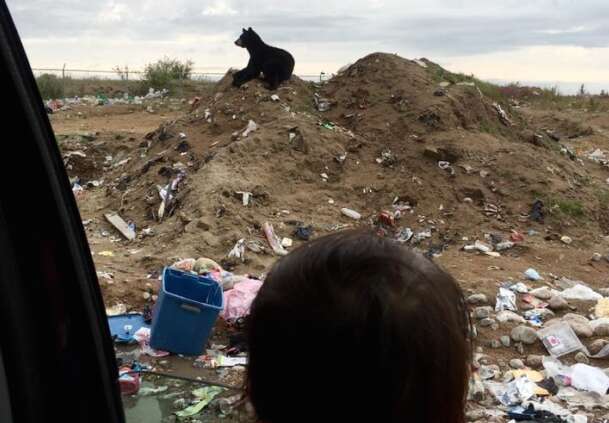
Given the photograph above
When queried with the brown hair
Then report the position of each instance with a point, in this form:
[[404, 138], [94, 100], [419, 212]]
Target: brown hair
[[355, 328]]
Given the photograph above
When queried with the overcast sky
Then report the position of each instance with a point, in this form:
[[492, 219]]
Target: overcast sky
[[533, 40]]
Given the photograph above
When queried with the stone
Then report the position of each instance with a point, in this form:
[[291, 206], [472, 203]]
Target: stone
[[520, 348], [534, 361], [487, 322], [482, 312], [580, 325], [477, 299], [495, 344], [505, 341], [597, 346], [509, 316], [600, 327], [558, 303], [580, 357], [524, 334], [516, 364], [542, 293]]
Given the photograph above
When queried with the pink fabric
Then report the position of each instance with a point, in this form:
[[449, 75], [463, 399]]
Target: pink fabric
[[237, 301]]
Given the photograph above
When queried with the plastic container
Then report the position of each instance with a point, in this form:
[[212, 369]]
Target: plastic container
[[185, 312]]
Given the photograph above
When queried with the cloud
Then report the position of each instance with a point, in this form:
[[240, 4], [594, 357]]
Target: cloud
[[219, 8], [323, 34]]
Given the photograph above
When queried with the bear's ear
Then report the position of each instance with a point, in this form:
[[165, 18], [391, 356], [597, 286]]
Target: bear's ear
[[244, 30], [250, 29]]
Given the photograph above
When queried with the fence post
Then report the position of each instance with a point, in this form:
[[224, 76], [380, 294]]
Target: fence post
[[63, 80], [127, 73]]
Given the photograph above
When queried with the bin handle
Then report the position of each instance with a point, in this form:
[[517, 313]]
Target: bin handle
[[190, 308]]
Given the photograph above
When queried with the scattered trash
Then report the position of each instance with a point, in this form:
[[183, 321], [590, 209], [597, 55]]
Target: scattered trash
[[120, 225], [275, 97], [273, 239], [251, 127], [566, 240], [215, 360], [237, 301], [506, 300], [532, 275], [537, 211], [322, 104], [106, 253], [387, 158], [404, 235], [129, 382], [351, 213], [124, 326], [116, 309], [520, 288], [303, 232], [204, 397], [238, 251], [560, 339], [142, 336], [286, 242], [502, 115]]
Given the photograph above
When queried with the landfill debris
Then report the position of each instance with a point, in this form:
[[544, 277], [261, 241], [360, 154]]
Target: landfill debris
[[286, 242], [129, 382], [116, 309], [532, 275], [322, 104], [387, 158], [245, 197], [106, 253], [566, 240], [124, 326], [238, 251], [251, 127], [560, 339], [120, 225], [204, 397], [273, 239], [502, 115], [213, 360], [303, 232], [275, 97], [537, 211], [404, 235], [520, 288], [351, 213], [506, 300], [237, 301], [142, 336]]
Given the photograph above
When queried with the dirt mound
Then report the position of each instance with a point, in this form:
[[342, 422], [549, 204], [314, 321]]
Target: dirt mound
[[386, 95], [467, 174]]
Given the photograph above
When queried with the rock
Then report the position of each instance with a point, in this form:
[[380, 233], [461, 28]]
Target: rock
[[516, 364], [520, 348], [558, 303], [508, 377], [542, 293], [524, 334], [580, 325], [482, 312], [580, 357], [474, 415], [487, 322], [495, 344], [600, 327], [566, 240], [505, 341], [534, 361], [604, 292], [596, 257], [509, 316], [477, 299], [597, 346]]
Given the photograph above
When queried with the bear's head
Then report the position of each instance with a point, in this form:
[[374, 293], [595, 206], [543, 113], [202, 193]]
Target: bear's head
[[248, 38]]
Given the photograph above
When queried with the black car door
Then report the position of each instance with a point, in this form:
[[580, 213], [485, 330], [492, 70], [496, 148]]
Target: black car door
[[56, 356]]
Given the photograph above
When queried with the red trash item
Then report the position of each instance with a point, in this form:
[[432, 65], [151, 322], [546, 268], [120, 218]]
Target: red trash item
[[387, 218], [129, 382], [516, 237]]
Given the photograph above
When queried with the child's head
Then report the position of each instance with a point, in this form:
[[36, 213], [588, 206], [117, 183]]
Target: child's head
[[354, 328]]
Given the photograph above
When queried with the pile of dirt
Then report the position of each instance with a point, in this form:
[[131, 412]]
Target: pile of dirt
[[450, 164]]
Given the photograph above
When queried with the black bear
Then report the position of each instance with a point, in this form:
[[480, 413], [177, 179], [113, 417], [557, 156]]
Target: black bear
[[275, 64]]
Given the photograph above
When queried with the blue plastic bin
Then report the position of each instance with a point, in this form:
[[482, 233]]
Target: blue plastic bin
[[185, 312]]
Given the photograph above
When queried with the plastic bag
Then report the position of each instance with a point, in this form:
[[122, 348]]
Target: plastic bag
[[559, 340], [237, 301], [588, 378], [506, 300]]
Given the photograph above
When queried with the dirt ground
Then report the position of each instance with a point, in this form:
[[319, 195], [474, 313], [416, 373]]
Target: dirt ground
[[390, 121]]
